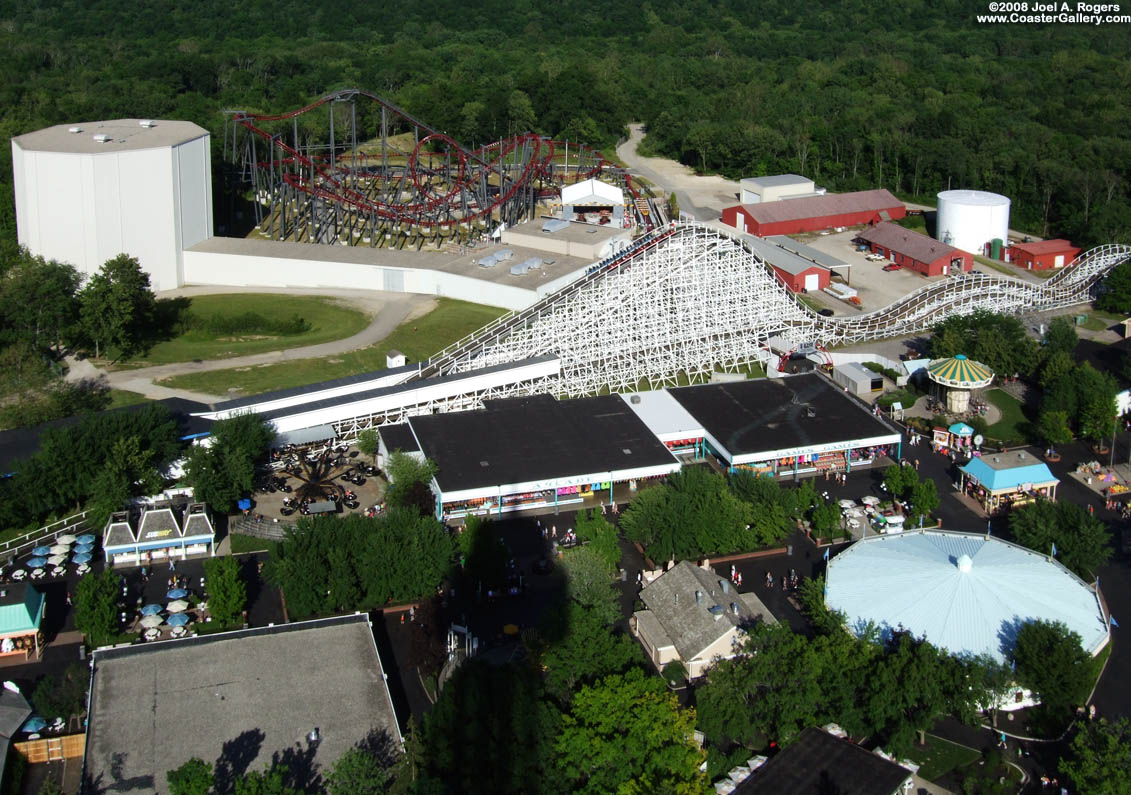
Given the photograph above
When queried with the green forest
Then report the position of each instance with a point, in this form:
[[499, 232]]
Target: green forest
[[911, 96]]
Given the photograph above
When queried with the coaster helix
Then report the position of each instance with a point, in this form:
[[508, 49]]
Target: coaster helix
[[355, 169]]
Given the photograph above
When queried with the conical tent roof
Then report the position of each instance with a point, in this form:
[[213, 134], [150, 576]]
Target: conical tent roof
[[968, 594], [958, 371]]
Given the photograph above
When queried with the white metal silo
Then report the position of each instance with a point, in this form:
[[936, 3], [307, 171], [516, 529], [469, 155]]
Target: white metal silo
[[971, 219]]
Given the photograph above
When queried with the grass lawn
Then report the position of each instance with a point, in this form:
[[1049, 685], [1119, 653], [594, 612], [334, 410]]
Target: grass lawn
[[1010, 428], [916, 222], [1000, 267], [242, 544], [1098, 320], [938, 757], [124, 397], [329, 319], [418, 339]]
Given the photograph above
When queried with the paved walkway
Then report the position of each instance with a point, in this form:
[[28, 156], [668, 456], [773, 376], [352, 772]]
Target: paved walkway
[[388, 311]]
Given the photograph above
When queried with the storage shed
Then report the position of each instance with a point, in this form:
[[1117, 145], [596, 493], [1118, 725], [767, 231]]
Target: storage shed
[[857, 379], [1043, 254], [796, 273]]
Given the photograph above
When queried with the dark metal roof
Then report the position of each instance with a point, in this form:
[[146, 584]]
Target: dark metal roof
[[817, 206], [537, 438], [279, 394], [399, 437], [772, 414], [818, 763]]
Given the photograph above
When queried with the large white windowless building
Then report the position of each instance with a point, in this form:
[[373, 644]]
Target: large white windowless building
[[88, 192]]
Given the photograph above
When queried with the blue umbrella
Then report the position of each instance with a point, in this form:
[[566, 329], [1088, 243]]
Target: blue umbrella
[[85, 538], [36, 563], [178, 620], [177, 593], [84, 545], [41, 551], [34, 724], [151, 610], [82, 558], [244, 504]]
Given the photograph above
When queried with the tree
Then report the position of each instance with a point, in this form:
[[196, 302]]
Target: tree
[[1096, 400], [64, 696], [1052, 663], [1060, 336], [924, 499], [410, 483], [369, 443], [117, 307], [194, 777], [38, 301], [224, 471], [577, 645], [272, 781], [694, 514], [599, 535], [627, 734], [227, 592], [357, 772], [1057, 364], [1115, 294], [1099, 757], [899, 479], [129, 471], [1081, 540], [96, 607], [589, 581], [520, 112], [826, 519], [1053, 427]]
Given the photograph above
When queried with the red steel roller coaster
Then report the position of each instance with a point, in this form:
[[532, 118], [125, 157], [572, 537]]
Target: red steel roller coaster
[[354, 169]]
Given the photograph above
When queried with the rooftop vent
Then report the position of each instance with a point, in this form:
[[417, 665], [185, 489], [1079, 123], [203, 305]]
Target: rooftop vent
[[734, 608], [810, 412], [634, 399], [965, 563], [147, 123], [74, 129], [997, 460], [716, 611], [484, 464], [698, 597], [626, 451], [1020, 455], [102, 138], [724, 585]]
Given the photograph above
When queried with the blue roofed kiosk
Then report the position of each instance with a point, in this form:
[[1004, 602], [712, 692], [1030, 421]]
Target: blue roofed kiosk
[[1001, 481], [21, 610]]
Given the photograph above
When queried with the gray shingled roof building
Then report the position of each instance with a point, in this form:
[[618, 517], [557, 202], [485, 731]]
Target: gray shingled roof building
[[695, 616]]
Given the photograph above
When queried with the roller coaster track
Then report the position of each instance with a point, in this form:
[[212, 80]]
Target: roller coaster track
[[320, 185], [688, 299]]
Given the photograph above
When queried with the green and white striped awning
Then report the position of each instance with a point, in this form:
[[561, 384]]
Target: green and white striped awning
[[958, 371]]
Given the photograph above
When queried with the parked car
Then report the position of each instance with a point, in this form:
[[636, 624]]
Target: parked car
[[875, 258], [892, 266]]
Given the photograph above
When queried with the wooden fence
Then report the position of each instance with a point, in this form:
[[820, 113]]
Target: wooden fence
[[52, 749]]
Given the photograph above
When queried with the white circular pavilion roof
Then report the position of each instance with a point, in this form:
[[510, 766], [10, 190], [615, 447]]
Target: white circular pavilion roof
[[968, 594]]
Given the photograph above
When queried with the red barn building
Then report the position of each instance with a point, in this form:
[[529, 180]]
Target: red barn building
[[812, 214], [1043, 254], [796, 273], [916, 251]]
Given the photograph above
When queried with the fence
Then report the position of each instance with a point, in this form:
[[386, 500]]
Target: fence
[[75, 523], [269, 530], [52, 749]]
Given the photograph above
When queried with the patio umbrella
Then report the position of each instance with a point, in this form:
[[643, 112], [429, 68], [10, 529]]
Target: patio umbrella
[[36, 562], [86, 538], [84, 548], [870, 500], [151, 610], [67, 538], [60, 549], [847, 504], [82, 557], [179, 620], [152, 622], [41, 551], [244, 504], [33, 724], [177, 606], [57, 560], [177, 593]]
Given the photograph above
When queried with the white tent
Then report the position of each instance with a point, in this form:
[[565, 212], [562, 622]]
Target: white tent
[[592, 192]]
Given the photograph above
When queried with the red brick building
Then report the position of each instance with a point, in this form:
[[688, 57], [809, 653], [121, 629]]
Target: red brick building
[[1043, 254], [793, 216], [916, 251]]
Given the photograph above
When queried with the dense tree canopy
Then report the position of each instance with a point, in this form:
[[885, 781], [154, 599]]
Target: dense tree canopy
[[227, 592], [117, 308], [998, 341], [96, 607], [1052, 663], [1081, 541], [1099, 758], [224, 471]]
